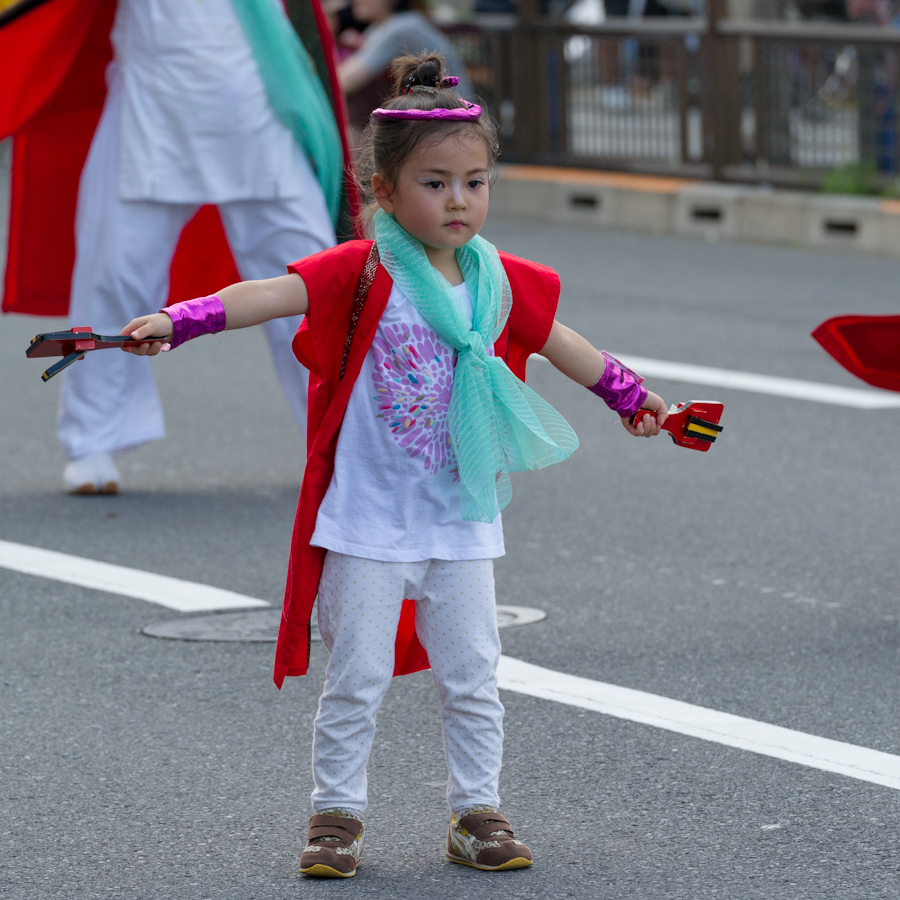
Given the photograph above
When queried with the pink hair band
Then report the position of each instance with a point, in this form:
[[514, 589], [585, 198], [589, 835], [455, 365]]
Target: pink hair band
[[467, 113]]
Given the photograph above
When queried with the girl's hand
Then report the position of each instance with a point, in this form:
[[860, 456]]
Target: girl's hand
[[647, 426], [157, 325]]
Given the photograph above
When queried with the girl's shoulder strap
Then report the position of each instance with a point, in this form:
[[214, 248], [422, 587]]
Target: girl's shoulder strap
[[362, 292]]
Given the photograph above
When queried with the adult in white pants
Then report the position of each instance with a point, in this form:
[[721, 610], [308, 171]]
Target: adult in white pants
[[186, 123]]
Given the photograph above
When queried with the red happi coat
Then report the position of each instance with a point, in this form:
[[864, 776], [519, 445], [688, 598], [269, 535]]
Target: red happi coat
[[331, 278]]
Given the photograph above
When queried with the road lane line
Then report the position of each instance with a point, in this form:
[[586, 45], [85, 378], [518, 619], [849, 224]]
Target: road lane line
[[185, 596], [858, 398], [765, 384], [851, 760], [515, 675]]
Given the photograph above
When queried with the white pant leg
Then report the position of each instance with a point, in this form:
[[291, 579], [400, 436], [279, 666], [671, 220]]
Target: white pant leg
[[359, 609], [266, 235], [109, 399], [456, 621]]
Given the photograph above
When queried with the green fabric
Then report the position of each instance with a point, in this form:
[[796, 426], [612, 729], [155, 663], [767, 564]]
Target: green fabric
[[297, 95], [497, 423]]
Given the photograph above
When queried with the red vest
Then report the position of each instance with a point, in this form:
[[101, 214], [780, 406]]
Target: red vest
[[331, 278]]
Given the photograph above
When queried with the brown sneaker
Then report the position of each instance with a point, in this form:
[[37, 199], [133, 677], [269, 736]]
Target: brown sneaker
[[334, 845], [483, 839]]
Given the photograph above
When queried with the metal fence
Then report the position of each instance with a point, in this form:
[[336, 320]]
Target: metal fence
[[781, 102]]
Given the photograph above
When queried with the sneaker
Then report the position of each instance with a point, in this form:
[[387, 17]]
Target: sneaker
[[94, 474], [482, 838], [334, 845]]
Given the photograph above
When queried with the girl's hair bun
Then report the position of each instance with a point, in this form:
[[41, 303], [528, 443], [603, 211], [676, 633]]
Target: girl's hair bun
[[408, 72]]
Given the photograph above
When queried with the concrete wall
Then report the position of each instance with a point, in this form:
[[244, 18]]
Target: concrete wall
[[714, 211]]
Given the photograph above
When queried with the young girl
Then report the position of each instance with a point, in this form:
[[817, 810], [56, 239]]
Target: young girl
[[416, 346]]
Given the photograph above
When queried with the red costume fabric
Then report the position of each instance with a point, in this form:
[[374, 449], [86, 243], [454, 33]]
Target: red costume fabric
[[331, 278], [867, 346], [53, 60]]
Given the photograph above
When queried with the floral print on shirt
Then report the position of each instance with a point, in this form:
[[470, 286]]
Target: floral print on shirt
[[413, 380]]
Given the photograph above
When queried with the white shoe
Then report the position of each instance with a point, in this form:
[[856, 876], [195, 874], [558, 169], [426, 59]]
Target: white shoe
[[94, 474]]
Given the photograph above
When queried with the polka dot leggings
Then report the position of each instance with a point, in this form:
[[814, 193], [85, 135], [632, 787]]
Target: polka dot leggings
[[456, 621]]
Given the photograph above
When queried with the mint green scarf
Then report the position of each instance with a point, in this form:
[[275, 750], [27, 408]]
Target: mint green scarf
[[297, 95], [497, 423]]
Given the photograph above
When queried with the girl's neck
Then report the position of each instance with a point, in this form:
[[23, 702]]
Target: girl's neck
[[445, 262]]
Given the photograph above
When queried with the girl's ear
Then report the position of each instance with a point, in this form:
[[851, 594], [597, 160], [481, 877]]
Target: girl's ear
[[383, 193]]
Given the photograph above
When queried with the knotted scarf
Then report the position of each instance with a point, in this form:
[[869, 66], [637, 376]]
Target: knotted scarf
[[497, 423], [295, 92]]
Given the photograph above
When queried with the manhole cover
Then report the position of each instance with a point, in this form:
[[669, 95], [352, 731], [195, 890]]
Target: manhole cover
[[508, 616], [261, 625], [256, 626]]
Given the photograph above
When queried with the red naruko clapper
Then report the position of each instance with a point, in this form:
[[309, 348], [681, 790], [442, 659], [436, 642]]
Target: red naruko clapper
[[694, 425], [72, 345]]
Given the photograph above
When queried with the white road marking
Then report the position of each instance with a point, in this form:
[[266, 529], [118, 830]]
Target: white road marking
[[851, 760], [858, 398], [185, 596], [515, 675]]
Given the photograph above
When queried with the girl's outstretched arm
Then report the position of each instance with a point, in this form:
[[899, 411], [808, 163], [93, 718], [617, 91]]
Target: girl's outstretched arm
[[578, 359], [246, 303]]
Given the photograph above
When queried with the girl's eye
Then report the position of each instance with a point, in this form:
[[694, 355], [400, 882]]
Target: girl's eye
[[435, 185], [477, 183]]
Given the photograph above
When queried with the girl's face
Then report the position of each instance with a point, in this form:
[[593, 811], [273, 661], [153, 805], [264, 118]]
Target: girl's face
[[441, 194]]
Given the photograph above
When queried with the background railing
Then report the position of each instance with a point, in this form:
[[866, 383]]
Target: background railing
[[773, 101]]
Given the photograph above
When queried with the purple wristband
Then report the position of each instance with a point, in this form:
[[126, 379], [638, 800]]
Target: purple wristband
[[620, 388], [190, 319]]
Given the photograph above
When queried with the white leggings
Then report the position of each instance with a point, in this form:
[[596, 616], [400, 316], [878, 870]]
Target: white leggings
[[456, 621]]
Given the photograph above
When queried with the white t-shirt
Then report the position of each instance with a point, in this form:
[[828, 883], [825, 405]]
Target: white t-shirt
[[196, 124], [394, 494]]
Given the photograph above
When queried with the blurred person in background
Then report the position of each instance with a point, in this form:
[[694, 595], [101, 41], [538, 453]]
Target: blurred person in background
[[346, 29], [395, 28]]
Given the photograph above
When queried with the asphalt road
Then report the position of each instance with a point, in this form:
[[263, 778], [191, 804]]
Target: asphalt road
[[759, 579]]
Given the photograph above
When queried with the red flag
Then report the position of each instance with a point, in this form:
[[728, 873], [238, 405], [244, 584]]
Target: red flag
[[867, 346], [52, 60]]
